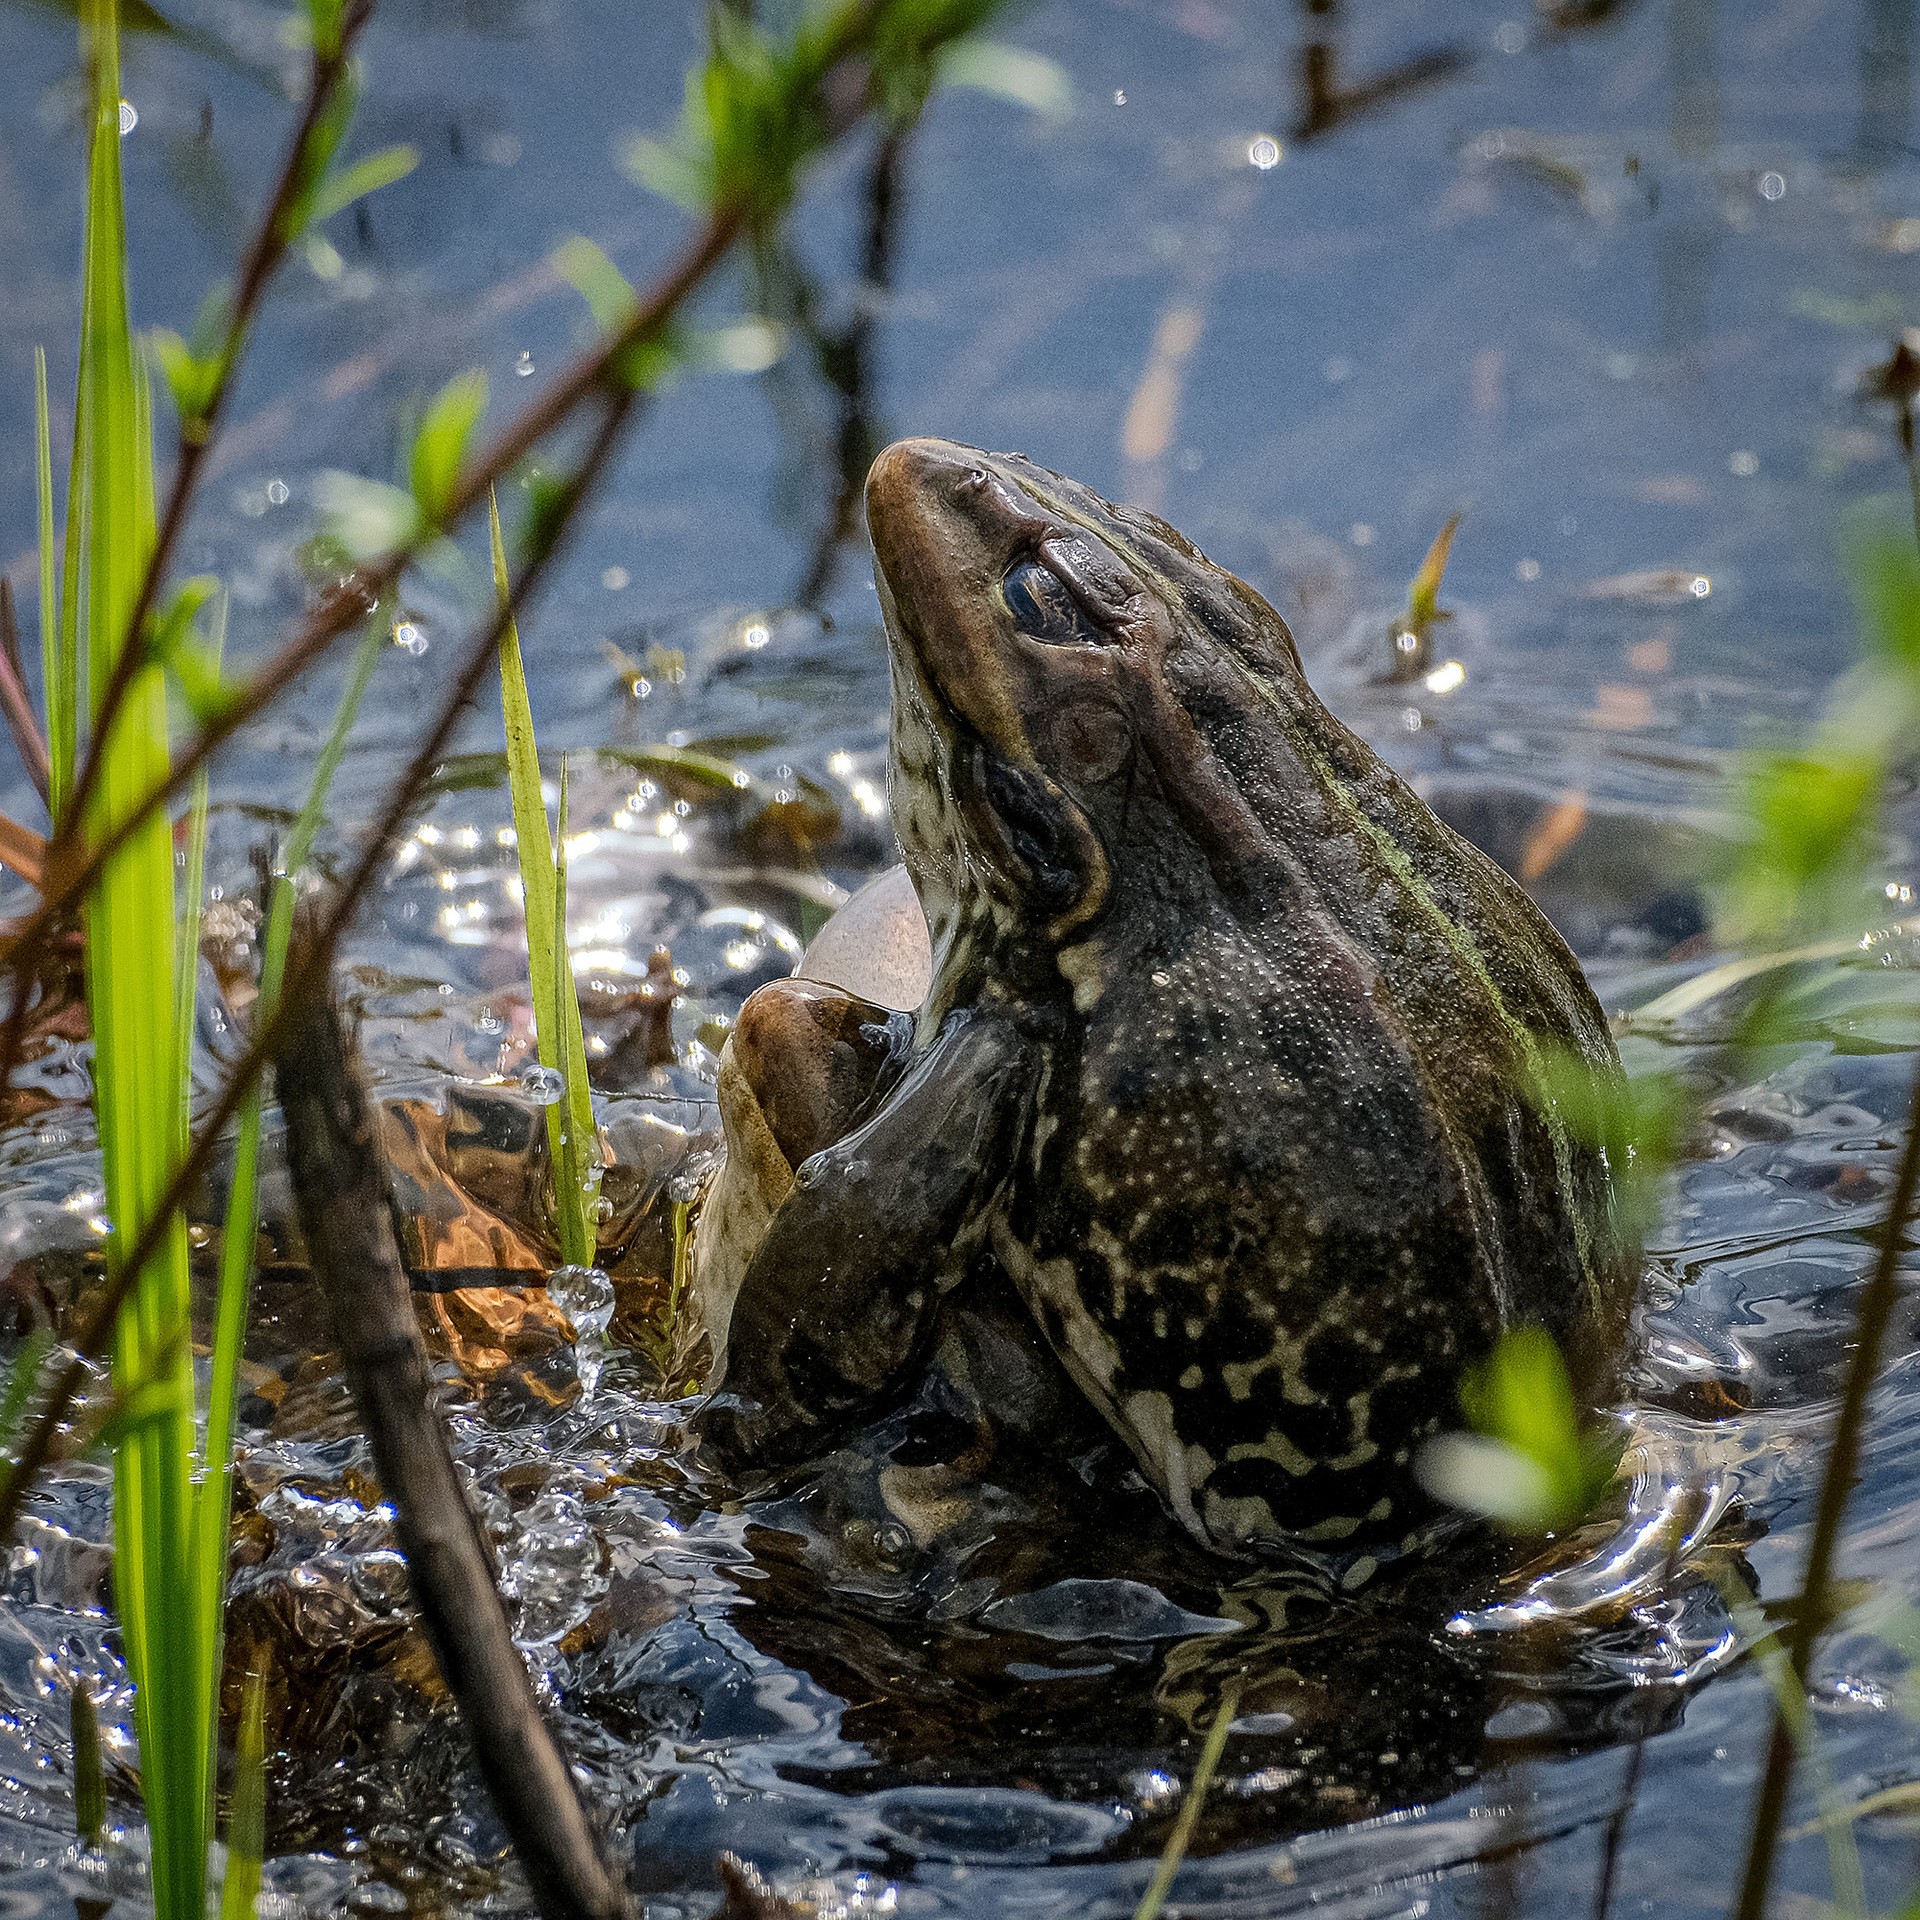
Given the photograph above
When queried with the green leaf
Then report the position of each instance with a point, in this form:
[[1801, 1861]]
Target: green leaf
[[558, 1038], [1808, 821], [315, 158], [1196, 1798], [240, 1228], [247, 1820], [1883, 569], [191, 381], [613, 304], [58, 673], [1492, 1479], [605, 289], [340, 190], [1423, 596], [1530, 1464], [1638, 1124], [440, 447], [174, 639]]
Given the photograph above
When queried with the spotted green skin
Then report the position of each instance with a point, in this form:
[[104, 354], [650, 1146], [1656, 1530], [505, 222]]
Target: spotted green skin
[[1227, 1055]]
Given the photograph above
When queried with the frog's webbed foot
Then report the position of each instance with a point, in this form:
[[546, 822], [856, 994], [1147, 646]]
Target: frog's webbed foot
[[840, 1301]]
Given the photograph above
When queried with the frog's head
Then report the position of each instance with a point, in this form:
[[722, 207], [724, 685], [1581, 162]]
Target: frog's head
[[1075, 690]]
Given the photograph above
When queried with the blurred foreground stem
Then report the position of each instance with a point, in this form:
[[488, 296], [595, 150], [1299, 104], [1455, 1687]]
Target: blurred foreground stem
[[1836, 1488]]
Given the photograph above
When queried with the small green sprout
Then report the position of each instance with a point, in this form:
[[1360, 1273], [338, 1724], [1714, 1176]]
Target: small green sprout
[[1530, 1464]]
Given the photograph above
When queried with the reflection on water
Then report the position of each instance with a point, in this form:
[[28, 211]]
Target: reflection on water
[[1604, 277]]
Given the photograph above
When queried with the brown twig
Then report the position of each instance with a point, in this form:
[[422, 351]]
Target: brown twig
[[340, 1187], [1836, 1488]]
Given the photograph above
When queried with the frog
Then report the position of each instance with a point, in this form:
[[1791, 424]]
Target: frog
[[1233, 1060]]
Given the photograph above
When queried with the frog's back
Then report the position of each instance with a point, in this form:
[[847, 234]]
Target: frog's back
[[1290, 1175]]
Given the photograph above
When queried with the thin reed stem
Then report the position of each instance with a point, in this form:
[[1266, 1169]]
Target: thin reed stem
[[1836, 1488]]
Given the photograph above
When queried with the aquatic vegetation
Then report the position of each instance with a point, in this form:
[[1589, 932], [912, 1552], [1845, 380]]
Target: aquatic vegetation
[[1175, 1851], [117, 638], [1247, 1803], [561, 1047], [1810, 812]]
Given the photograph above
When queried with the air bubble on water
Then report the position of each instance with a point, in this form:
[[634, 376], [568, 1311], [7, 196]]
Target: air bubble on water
[[524, 365], [602, 1210], [277, 493], [129, 117], [410, 636], [544, 1086]]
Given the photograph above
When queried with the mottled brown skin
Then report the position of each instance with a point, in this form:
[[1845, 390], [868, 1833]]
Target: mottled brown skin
[[1226, 1055]]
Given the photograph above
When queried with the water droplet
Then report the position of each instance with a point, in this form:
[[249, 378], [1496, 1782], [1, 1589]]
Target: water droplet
[[130, 118], [1264, 153], [544, 1086], [585, 1296], [524, 365]]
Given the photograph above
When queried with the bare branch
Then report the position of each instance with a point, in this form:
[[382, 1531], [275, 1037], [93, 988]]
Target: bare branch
[[340, 1185]]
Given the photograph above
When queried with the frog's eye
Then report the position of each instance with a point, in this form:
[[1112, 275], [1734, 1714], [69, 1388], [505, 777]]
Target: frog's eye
[[1044, 608]]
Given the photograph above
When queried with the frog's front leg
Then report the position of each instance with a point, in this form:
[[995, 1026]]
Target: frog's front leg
[[838, 1305]]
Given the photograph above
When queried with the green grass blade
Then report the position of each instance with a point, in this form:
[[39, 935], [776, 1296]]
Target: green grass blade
[[247, 1820], [132, 995], [214, 1501], [556, 1007], [1182, 1836], [578, 1174], [59, 692]]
